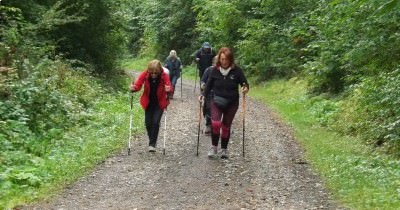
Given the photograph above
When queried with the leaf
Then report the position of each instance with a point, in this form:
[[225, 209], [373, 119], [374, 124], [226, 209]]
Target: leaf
[[386, 7]]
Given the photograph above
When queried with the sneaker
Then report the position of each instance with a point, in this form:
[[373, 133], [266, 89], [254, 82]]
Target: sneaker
[[213, 153], [152, 149], [207, 131], [224, 153]]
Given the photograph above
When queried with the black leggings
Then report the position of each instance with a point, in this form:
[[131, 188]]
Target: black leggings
[[152, 118]]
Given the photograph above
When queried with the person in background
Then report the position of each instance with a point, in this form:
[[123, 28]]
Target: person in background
[[154, 98], [174, 65], [204, 58], [224, 81], [207, 100]]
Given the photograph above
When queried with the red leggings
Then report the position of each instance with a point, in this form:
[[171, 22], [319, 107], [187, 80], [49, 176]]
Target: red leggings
[[221, 121]]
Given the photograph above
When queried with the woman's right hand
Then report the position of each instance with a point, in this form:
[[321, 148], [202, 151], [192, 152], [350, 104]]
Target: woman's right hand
[[201, 98], [133, 88]]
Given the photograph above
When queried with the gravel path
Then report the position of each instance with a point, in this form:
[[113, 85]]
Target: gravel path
[[272, 175]]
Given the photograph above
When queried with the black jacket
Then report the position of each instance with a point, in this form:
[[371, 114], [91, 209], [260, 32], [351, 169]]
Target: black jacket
[[226, 86]]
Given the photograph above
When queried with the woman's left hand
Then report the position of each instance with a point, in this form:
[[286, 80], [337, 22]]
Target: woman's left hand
[[167, 88], [245, 89]]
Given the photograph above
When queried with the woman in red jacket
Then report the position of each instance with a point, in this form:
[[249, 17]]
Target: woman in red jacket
[[154, 99]]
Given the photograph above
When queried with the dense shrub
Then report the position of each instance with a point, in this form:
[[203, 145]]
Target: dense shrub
[[375, 113]]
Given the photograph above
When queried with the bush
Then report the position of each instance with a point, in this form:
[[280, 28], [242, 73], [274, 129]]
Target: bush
[[372, 111]]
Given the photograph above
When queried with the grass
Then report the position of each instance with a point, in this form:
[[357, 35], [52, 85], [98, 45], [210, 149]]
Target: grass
[[358, 177], [81, 148], [190, 72], [137, 64]]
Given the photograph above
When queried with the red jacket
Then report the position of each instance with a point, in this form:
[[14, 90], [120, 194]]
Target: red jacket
[[143, 78]]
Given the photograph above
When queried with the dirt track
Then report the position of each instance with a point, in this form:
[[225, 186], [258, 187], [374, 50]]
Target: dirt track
[[272, 175]]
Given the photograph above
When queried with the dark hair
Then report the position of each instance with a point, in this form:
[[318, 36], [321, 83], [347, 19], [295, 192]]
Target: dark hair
[[228, 54]]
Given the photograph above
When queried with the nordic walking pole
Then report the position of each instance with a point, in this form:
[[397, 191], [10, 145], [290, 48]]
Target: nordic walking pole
[[198, 130], [195, 82], [244, 117], [130, 126], [181, 82], [132, 77], [165, 128]]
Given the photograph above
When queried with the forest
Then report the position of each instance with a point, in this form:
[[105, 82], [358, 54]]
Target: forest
[[60, 59]]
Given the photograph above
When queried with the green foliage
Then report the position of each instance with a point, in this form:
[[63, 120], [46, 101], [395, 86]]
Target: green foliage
[[82, 40], [35, 112], [47, 100], [351, 54], [349, 45], [128, 16], [337, 49], [168, 25], [75, 28], [380, 98], [218, 22], [323, 110]]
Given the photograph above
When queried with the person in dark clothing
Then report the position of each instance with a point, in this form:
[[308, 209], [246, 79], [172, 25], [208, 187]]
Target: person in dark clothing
[[154, 99], [224, 80], [204, 57], [207, 101], [174, 65]]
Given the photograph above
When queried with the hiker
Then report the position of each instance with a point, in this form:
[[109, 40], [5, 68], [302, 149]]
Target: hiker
[[207, 100], [204, 57], [154, 98], [174, 65], [224, 80]]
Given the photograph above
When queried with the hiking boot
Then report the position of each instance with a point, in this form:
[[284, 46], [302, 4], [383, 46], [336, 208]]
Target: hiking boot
[[213, 152], [207, 130], [224, 153], [152, 149]]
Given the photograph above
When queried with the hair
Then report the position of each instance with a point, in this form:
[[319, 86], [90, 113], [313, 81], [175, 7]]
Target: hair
[[229, 55], [154, 66], [172, 53], [215, 60]]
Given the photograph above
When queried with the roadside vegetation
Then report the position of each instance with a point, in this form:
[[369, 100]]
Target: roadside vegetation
[[359, 176], [79, 128]]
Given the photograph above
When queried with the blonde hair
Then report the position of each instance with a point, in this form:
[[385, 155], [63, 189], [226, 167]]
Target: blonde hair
[[172, 53], [154, 66], [215, 60]]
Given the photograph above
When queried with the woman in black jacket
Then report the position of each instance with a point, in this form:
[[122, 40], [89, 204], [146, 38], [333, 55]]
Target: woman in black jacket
[[224, 80]]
